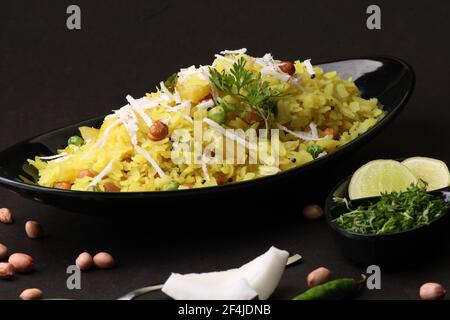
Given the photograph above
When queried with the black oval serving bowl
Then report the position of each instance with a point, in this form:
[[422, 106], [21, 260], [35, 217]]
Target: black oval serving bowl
[[389, 79], [394, 249]]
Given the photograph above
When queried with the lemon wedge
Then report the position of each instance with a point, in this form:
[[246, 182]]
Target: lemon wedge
[[380, 176], [433, 172]]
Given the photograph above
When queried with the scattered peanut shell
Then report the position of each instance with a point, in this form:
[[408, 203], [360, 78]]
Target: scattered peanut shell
[[7, 270], [84, 261], [318, 276], [103, 260], [33, 229], [22, 262], [6, 216], [312, 212], [432, 291], [31, 294], [3, 251]]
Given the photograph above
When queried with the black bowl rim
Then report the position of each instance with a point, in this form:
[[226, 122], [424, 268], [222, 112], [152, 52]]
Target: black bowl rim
[[388, 118], [361, 236]]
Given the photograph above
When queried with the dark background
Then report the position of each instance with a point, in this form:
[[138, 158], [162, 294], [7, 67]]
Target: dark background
[[50, 77]]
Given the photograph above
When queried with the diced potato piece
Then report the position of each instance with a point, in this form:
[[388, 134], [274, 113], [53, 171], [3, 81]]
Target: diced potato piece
[[194, 89]]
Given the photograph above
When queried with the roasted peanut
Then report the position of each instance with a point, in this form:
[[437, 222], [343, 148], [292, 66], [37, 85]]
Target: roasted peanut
[[432, 291], [111, 187], [318, 276], [7, 270], [312, 212], [6, 216], [103, 260], [329, 132], [84, 261], [63, 185], [287, 67], [3, 251], [31, 294], [86, 173], [22, 262], [33, 229], [158, 131]]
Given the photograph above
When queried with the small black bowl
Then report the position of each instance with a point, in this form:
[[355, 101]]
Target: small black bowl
[[392, 249]]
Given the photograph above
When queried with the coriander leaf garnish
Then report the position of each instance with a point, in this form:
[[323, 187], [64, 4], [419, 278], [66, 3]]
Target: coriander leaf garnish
[[394, 212], [248, 89], [315, 150], [171, 82]]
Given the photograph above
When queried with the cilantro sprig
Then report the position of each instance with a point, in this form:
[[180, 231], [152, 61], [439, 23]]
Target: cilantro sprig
[[248, 89]]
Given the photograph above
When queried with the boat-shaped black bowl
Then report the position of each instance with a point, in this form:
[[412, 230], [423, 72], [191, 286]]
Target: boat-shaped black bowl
[[388, 250], [391, 80]]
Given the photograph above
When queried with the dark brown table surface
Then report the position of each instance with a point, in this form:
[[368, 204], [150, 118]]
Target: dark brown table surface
[[50, 77]]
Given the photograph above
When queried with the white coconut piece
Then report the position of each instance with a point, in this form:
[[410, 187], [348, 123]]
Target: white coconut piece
[[265, 272], [224, 285], [258, 278]]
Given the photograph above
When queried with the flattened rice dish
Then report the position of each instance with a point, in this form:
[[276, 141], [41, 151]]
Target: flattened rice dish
[[239, 118]]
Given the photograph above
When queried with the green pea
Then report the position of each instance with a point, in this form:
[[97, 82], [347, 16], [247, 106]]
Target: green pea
[[94, 189], [217, 114], [171, 186], [335, 289], [76, 141]]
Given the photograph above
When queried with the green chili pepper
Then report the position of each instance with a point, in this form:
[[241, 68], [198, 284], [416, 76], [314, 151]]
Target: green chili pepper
[[335, 289], [76, 140]]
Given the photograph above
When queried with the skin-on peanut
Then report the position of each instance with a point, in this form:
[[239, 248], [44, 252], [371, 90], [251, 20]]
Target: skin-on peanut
[[287, 67], [33, 229], [312, 212], [3, 251], [31, 294], [6, 216], [432, 291], [103, 260], [158, 131], [22, 262], [84, 261], [7, 270], [318, 276]]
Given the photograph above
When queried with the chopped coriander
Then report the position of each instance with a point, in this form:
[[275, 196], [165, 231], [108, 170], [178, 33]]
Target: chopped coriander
[[394, 212], [248, 89], [171, 82], [314, 150]]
